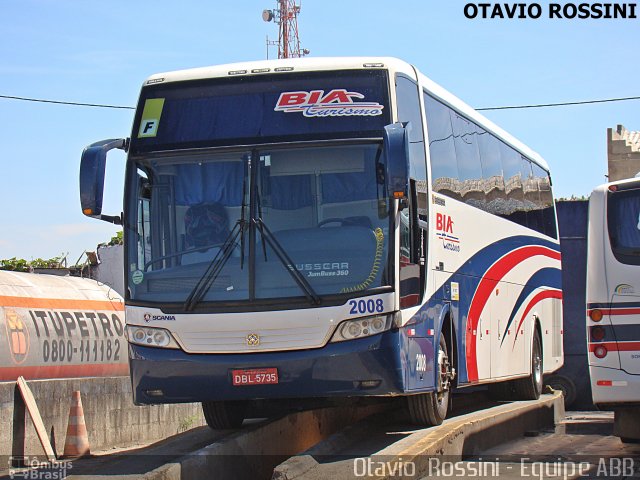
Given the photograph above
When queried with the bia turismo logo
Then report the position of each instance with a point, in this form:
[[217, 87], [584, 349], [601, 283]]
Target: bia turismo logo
[[444, 231], [336, 103]]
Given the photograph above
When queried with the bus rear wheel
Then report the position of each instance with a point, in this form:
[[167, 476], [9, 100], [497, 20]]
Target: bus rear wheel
[[431, 408], [224, 415], [530, 388]]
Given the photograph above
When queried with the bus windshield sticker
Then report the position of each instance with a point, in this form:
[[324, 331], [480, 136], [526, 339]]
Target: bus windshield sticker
[[151, 117], [455, 291], [137, 277], [337, 103]]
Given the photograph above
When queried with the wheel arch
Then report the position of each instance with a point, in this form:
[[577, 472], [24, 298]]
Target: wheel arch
[[448, 329]]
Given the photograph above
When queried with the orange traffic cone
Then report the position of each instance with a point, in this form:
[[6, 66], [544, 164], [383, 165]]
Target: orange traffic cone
[[77, 441]]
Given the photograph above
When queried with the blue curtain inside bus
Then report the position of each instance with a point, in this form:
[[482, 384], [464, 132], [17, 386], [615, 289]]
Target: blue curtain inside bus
[[228, 111], [217, 183], [625, 220]]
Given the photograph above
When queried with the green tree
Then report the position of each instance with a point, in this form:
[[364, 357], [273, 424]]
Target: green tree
[[116, 240], [21, 265]]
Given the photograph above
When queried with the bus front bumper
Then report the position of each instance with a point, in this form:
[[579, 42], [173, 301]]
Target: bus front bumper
[[369, 366]]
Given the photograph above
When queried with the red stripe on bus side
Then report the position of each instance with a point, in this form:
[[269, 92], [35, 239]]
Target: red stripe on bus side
[[616, 346], [617, 311], [490, 279], [536, 299]]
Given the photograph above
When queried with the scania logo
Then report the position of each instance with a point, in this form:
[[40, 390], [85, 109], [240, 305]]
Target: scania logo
[[148, 317], [253, 340]]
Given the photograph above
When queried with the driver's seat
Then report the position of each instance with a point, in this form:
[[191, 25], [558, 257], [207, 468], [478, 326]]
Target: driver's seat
[[206, 227]]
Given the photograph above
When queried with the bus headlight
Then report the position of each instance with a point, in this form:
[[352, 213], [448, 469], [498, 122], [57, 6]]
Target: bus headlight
[[361, 327], [150, 337]]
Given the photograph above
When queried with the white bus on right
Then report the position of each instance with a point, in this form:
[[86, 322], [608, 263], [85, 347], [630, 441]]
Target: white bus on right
[[613, 303]]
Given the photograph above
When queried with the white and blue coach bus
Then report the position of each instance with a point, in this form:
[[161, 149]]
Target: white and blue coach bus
[[317, 228], [613, 303]]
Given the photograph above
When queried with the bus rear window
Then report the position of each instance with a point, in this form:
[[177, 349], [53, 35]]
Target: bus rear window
[[623, 219]]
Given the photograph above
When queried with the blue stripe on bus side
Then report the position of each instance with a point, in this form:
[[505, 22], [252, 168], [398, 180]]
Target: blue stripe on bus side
[[546, 277], [469, 276], [613, 305], [619, 333]]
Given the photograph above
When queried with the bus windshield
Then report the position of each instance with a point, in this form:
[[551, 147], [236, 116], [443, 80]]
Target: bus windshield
[[261, 218]]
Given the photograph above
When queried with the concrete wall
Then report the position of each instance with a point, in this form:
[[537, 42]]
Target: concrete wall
[[109, 270], [623, 151], [112, 419]]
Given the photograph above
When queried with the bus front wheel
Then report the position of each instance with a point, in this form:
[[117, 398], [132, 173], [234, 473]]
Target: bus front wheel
[[431, 408], [224, 415]]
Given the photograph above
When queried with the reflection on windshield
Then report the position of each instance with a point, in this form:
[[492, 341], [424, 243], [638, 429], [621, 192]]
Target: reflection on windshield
[[314, 223]]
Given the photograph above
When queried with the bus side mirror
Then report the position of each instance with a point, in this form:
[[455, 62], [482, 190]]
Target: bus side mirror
[[92, 167], [396, 150]]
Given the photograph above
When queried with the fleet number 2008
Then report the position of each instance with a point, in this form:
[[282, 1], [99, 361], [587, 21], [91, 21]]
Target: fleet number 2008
[[366, 306]]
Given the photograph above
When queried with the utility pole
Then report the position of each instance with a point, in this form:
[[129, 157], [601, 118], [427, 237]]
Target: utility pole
[[286, 17]]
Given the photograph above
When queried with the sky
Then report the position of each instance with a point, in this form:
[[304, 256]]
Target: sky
[[101, 52]]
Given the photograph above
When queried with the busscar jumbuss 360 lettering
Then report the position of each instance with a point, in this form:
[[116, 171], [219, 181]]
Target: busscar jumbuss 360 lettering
[[613, 303], [325, 228]]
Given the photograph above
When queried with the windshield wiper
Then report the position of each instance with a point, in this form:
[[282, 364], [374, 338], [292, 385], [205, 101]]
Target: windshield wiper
[[244, 205], [215, 267], [256, 220], [286, 261], [222, 257]]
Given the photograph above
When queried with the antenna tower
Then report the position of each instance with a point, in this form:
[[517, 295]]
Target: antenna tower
[[286, 17]]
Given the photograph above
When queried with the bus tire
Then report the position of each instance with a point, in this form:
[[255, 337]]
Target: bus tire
[[564, 385], [530, 388], [224, 415], [431, 408]]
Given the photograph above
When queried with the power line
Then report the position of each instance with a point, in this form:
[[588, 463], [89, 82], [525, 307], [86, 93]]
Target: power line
[[58, 102], [563, 104], [510, 107]]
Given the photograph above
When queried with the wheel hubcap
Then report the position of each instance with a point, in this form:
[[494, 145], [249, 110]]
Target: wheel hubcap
[[537, 368], [445, 377]]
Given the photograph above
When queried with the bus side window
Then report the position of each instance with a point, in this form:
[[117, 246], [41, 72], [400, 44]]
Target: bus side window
[[144, 226], [412, 239]]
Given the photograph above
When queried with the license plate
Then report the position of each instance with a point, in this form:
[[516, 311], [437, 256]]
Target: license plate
[[255, 376]]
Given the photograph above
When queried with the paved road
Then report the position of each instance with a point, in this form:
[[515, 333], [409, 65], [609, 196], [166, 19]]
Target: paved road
[[581, 446]]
